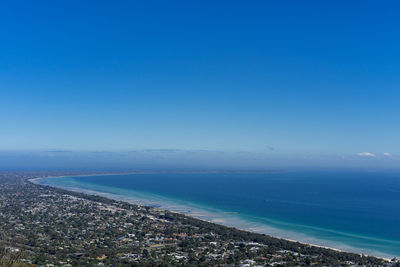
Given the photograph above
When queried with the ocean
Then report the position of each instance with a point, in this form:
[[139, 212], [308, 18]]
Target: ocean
[[352, 211]]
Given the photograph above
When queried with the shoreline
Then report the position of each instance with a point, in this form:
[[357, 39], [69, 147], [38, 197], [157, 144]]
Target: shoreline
[[190, 213]]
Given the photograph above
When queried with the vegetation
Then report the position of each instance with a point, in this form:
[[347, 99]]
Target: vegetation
[[54, 226], [10, 256]]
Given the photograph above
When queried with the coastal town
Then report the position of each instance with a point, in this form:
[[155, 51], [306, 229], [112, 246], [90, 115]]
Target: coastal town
[[45, 226]]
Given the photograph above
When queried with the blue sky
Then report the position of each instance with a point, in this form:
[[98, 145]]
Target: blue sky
[[285, 77]]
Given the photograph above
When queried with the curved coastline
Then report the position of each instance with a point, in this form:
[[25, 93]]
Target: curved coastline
[[230, 219]]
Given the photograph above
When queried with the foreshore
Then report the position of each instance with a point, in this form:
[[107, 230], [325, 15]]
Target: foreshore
[[198, 214]]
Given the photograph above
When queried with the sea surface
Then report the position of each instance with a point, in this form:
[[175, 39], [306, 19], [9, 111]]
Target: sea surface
[[352, 211]]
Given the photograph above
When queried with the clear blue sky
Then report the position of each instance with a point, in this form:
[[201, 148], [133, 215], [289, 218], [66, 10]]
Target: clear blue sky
[[294, 77]]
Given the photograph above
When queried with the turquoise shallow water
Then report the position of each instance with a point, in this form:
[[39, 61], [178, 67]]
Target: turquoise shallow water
[[352, 211]]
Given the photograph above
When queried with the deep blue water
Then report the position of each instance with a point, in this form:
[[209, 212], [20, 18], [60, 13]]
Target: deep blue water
[[356, 210]]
